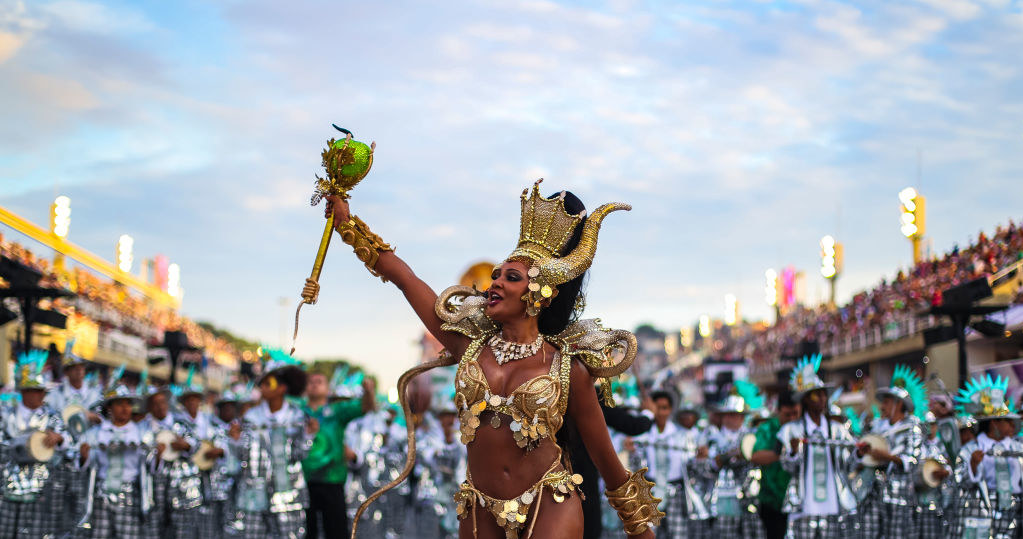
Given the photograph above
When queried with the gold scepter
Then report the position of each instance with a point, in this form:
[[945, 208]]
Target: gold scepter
[[347, 161]]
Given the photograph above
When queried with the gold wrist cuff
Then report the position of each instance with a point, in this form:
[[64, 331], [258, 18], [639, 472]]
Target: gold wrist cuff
[[364, 242], [635, 504]]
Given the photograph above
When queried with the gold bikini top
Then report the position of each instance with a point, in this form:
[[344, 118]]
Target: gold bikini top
[[536, 408]]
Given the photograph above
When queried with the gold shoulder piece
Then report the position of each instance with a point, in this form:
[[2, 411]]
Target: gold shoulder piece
[[596, 346], [461, 310]]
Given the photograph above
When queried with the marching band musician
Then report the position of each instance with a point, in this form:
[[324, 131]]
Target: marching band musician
[[819, 501], [274, 437], [225, 469], [988, 470], [74, 389], [119, 459], [325, 466], [74, 397], [447, 458], [734, 502], [30, 485], [669, 451], [774, 479], [933, 504], [372, 466], [176, 484], [889, 510], [205, 520]]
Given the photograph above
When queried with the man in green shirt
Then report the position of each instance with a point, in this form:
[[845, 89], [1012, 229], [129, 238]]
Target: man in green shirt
[[325, 467], [775, 480]]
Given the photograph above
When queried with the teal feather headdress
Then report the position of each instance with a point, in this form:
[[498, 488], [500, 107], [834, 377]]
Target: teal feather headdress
[[804, 377], [750, 393], [744, 398], [31, 370], [909, 388], [116, 388], [190, 387], [275, 358], [986, 398]]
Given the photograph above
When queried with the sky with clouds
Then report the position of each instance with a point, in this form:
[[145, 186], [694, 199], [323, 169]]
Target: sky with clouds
[[740, 131]]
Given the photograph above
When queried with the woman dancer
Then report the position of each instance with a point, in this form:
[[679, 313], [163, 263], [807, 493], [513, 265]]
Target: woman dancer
[[526, 364]]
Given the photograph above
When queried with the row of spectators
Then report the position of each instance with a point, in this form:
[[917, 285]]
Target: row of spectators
[[888, 303], [111, 305]]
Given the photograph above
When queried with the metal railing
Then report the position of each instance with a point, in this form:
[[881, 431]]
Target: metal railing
[[890, 332]]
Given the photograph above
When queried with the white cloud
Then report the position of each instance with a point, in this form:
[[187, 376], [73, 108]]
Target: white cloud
[[92, 17]]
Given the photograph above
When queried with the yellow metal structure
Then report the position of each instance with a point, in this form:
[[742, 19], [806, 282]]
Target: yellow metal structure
[[86, 258]]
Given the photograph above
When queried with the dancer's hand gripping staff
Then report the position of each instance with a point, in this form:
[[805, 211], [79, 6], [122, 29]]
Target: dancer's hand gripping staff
[[346, 161]]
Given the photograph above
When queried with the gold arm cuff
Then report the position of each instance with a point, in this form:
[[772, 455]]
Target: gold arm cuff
[[364, 242], [635, 504]]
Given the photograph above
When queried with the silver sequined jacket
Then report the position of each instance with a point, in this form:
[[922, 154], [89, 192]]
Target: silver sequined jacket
[[180, 477], [25, 481], [270, 453], [905, 440], [793, 463]]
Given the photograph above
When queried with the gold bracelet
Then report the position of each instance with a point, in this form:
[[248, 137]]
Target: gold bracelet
[[636, 505], [364, 242]]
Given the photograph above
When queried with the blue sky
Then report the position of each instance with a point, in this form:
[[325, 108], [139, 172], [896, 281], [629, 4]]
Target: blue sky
[[740, 131]]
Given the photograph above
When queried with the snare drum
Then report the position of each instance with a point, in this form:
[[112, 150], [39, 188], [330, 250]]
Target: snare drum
[[31, 448], [874, 441], [166, 438], [76, 420], [199, 458], [927, 477]]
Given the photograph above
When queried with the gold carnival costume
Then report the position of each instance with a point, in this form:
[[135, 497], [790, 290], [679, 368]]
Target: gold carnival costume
[[535, 410]]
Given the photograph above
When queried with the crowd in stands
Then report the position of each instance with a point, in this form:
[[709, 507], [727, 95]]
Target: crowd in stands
[[112, 305], [904, 297]]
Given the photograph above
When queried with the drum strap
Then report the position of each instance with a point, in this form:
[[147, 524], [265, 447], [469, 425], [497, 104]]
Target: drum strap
[[115, 467], [821, 456], [1002, 484], [277, 457]]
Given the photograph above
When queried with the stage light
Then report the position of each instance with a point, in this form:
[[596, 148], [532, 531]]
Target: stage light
[[60, 216], [125, 257]]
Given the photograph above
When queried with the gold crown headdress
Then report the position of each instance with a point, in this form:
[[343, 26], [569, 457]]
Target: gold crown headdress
[[544, 230]]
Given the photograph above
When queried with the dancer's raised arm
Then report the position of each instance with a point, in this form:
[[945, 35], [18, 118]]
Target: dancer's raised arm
[[381, 261]]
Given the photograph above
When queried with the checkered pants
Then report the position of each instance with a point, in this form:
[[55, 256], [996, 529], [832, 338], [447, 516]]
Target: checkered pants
[[211, 520], [898, 521], [73, 499], [676, 523], [117, 521], [185, 523], [747, 526], [1005, 523], [970, 508], [286, 525], [870, 515], [817, 527], [158, 521], [28, 520], [682, 528], [931, 524]]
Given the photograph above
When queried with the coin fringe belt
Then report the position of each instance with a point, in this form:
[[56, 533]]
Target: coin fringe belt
[[512, 514]]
